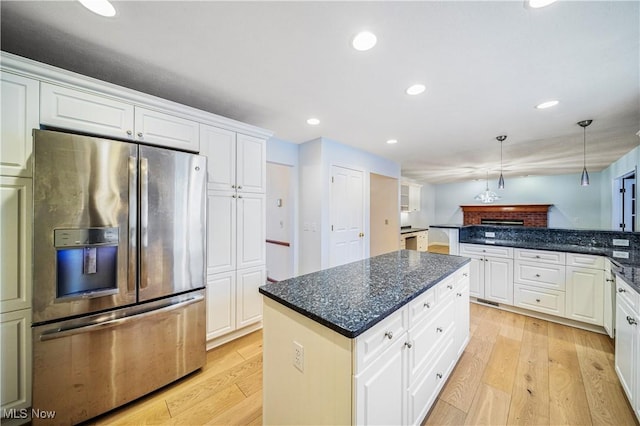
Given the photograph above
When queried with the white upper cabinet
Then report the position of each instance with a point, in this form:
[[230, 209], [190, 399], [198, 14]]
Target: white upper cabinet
[[19, 118], [162, 129], [251, 172], [219, 146], [67, 108]]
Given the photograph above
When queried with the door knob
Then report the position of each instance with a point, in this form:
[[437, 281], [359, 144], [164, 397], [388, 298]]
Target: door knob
[[361, 234]]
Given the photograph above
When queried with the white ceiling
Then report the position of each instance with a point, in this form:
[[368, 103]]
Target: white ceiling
[[275, 64]]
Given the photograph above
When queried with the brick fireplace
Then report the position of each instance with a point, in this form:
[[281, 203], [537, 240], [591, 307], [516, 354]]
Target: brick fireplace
[[532, 215]]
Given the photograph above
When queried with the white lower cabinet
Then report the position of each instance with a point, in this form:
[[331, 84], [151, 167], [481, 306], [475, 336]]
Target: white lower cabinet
[[585, 295], [15, 351], [491, 272], [627, 349]]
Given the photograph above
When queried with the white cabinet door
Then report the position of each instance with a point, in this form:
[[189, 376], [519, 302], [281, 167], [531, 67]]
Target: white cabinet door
[[221, 304], [422, 241], [251, 232], [414, 198], [167, 130], [462, 315], [249, 299], [15, 243], [251, 171], [221, 231], [380, 390], [476, 276], [585, 295], [73, 109], [15, 351], [625, 351], [498, 280], [19, 117], [219, 146]]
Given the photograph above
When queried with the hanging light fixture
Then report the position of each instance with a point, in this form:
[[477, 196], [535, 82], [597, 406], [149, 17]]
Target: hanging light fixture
[[501, 139], [584, 179], [487, 197]]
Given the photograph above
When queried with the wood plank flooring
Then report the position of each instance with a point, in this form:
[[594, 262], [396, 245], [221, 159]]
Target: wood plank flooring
[[515, 370]]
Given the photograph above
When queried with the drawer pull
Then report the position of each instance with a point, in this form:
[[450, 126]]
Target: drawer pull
[[389, 335], [537, 275], [427, 305], [537, 256], [621, 290], [538, 300], [439, 329], [408, 344], [631, 320], [439, 375], [459, 294], [140, 135], [464, 274], [609, 280], [129, 132], [450, 287]]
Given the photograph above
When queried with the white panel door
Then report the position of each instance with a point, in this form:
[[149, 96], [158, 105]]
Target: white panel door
[[20, 116], [585, 295], [72, 109], [251, 172], [221, 304], [249, 305], [346, 216], [221, 231], [476, 276], [498, 280], [219, 146], [162, 129], [15, 243], [251, 230], [625, 349], [15, 352]]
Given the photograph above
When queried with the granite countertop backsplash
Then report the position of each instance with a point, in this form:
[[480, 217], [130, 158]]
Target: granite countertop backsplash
[[352, 298], [625, 259]]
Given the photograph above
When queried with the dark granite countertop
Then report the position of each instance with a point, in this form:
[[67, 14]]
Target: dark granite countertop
[[409, 230], [630, 275], [450, 225], [352, 298]]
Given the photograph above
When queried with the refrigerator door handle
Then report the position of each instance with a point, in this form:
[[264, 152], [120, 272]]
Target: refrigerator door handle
[[144, 218], [62, 332], [133, 222]]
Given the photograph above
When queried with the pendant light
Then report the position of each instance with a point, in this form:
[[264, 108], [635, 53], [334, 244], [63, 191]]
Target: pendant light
[[584, 179], [501, 139], [487, 197]]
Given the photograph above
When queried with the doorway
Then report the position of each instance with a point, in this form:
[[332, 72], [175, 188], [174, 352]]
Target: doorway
[[384, 228], [346, 216], [279, 218], [625, 203]]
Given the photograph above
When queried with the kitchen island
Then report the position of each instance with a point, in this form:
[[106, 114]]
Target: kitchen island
[[368, 342]]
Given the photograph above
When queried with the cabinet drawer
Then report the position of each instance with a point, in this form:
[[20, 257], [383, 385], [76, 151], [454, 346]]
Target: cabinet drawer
[[628, 294], [485, 250], [462, 274], [541, 256], [540, 275], [427, 337], [422, 306], [585, 260], [158, 128], [541, 300], [445, 288], [378, 338]]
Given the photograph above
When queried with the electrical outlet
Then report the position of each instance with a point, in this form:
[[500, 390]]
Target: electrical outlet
[[622, 243], [621, 254], [490, 234], [298, 356]]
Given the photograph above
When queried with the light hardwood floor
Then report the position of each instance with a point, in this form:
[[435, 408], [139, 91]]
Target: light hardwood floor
[[515, 370]]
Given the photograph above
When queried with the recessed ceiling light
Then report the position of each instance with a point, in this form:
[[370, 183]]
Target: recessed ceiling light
[[313, 121], [100, 7], [392, 141], [364, 40], [547, 104], [416, 89], [537, 4]]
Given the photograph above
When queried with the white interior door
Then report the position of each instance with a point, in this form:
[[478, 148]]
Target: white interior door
[[346, 216]]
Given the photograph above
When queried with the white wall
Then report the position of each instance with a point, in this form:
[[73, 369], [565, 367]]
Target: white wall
[[574, 206]]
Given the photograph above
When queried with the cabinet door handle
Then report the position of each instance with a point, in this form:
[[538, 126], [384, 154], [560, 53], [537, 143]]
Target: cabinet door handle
[[449, 286], [621, 290], [537, 275], [233, 186], [609, 280], [538, 300], [537, 257], [427, 305], [464, 274], [439, 329], [233, 196], [459, 294], [389, 335], [439, 375], [631, 320], [408, 345], [129, 132], [239, 186], [140, 135], [239, 196]]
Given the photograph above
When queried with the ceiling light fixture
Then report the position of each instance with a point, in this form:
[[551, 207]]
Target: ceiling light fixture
[[584, 179], [364, 40], [537, 4], [100, 7], [487, 197], [313, 121], [547, 104], [392, 141], [416, 89], [501, 139]]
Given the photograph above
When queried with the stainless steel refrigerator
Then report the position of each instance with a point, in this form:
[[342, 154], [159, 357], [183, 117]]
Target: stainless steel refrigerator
[[119, 272]]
